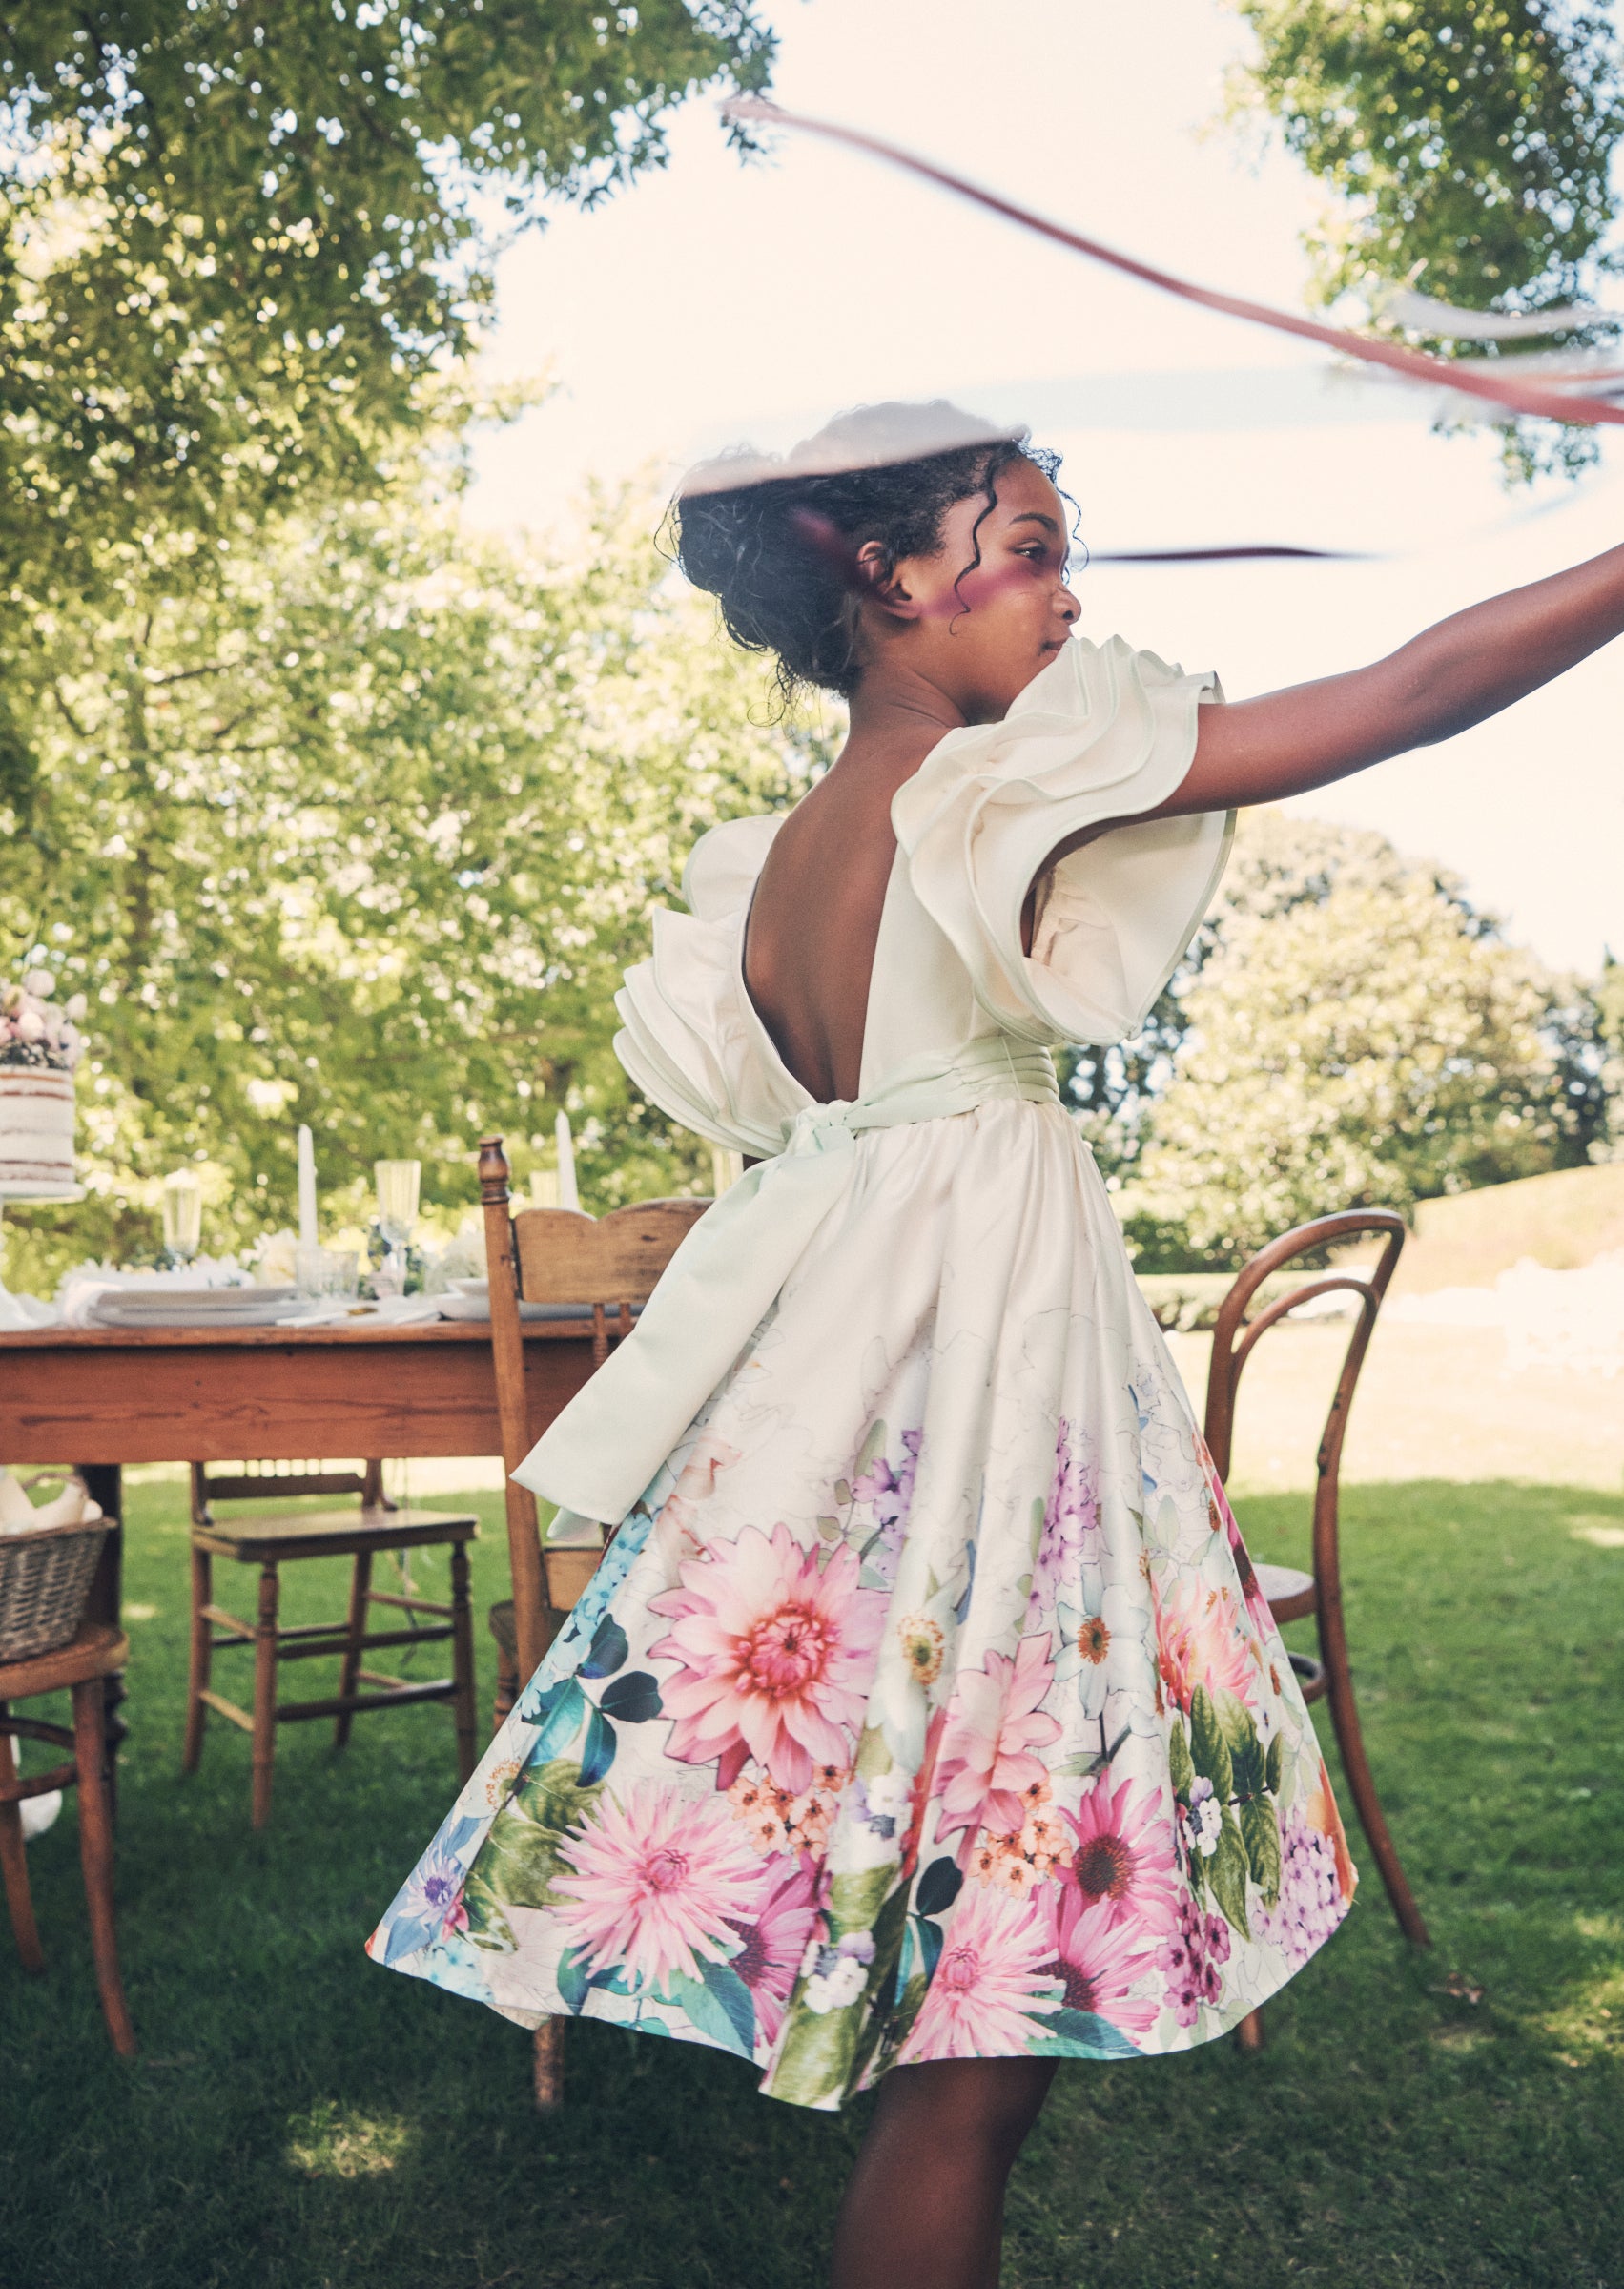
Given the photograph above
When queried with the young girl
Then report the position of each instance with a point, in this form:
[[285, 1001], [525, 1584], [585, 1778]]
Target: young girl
[[924, 1725]]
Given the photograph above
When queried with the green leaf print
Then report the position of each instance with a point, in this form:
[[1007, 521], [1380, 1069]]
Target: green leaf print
[[632, 1699], [607, 1650], [1209, 1747], [889, 1931], [1073, 2033], [855, 1900], [1260, 1834], [516, 1865], [572, 1981], [599, 1752], [938, 1887], [1273, 1762], [718, 2005], [488, 1926], [1178, 1765], [815, 2063], [830, 1529], [871, 1448], [843, 1493], [1245, 1749], [1226, 1874], [560, 1724]]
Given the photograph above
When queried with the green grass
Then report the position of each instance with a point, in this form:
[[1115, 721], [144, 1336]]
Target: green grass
[[299, 2119]]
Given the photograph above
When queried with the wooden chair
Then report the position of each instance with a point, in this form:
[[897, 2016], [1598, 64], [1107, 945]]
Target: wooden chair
[[271, 1540], [606, 1266], [78, 1667], [1291, 1592]]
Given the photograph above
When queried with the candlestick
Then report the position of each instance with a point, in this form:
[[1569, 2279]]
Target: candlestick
[[568, 1193], [306, 1188]]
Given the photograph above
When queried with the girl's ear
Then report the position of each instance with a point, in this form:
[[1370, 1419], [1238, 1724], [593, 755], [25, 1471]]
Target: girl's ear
[[881, 582]]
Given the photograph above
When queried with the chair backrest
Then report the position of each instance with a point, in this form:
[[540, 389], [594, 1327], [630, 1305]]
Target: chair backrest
[[1234, 1338], [558, 1256], [282, 1482]]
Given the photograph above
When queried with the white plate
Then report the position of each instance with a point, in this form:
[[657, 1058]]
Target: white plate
[[224, 1302]]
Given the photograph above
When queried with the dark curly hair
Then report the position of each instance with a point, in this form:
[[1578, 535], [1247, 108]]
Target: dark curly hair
[[775, 540]]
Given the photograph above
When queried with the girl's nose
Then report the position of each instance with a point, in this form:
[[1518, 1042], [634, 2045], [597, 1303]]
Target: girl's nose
[[1070, 608]]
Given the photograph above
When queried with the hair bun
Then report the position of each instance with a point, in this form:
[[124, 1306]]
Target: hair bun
[[773, 536]]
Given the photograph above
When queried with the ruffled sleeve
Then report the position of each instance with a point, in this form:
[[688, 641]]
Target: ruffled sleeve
[[689, 1038], [1104, 733]]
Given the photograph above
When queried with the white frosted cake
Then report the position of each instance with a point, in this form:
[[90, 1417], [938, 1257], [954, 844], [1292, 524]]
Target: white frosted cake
[[39, 1047]]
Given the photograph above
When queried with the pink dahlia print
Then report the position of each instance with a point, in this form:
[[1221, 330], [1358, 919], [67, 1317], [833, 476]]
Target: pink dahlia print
[[1098, 1960], [773, 1655], [1200, 1641], [995, 1969], [994, 1724], [773, 1945], [1123, 1859], [658, 1883]]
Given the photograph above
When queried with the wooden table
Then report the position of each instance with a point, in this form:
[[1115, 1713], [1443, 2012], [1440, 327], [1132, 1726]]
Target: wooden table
[[102, 1397]]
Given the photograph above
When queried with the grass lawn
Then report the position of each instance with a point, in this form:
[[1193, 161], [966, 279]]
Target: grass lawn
[[299, 2119]]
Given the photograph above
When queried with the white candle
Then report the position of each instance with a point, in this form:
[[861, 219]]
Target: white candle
[[569, 1195], [306, 1188]]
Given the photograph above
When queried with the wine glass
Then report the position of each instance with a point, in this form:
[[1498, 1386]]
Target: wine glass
[[398, 1184], [182, 1217]]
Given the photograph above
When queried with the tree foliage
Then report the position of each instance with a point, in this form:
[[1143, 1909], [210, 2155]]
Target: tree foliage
[[239, 241], [365, 839], [1357, 1037], [1467, 145]]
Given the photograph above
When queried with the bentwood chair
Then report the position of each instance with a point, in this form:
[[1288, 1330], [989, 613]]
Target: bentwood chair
[[79, 1667], [576, 1265], [270, 1541], [1293, 1593]]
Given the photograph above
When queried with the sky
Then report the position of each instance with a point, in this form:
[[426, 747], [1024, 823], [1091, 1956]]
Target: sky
[[716, 301]]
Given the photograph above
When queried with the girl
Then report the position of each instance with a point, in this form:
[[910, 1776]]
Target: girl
[[924, 1726]]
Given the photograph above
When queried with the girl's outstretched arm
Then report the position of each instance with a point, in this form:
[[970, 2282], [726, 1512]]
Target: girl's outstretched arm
[[1468, 666]]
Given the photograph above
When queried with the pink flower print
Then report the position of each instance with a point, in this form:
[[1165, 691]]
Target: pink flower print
[[890, 1494], [1191, 1960], [1224, 1517], [920, 1794], [1200, 1641], [994, 1971], [775, 1657], [1316, 1881], [657, 1883], [1098, 1960], [1123, 1856], [1070, 1511], [994, 1724], [773, 1945]]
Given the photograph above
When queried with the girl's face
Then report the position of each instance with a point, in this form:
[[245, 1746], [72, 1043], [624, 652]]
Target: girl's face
[[981, 635]]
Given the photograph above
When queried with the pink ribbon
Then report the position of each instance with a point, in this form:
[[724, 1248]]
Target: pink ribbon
[[1440, 372]]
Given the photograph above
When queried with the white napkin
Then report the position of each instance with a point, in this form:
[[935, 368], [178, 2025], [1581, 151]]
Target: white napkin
[[72, 1507], [392, 1310], [21, 1314]]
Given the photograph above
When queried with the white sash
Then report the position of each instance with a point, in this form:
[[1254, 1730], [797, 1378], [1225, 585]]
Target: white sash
[[603, 1450]]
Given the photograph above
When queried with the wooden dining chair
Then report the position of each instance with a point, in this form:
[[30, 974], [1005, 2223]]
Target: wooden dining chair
[[1293, 1593], [604, 1269], [271, 1539], [80, 1668]]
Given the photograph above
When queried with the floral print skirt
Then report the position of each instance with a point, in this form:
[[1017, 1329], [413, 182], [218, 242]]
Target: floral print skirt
[[927, 1706]]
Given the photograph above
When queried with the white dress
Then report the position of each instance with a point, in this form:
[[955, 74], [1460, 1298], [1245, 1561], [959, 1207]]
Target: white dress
[[925, 1704]]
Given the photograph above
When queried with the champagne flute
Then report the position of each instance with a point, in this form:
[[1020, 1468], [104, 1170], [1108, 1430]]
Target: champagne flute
[[183, 1216], [398, 1185]]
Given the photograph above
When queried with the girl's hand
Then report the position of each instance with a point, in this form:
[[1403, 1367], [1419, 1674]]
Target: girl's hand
[[1466, 668]]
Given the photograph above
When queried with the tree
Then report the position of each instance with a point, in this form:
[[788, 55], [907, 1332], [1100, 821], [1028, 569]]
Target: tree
[[1357, 1037], [1467, 145], [244, 244], [365, 839]]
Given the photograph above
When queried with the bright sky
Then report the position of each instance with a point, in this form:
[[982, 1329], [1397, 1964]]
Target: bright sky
[[715, 302]]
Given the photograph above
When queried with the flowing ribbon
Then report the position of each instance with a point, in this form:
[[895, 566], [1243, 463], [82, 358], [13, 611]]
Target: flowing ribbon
[[604, 1451], [1440, 373]]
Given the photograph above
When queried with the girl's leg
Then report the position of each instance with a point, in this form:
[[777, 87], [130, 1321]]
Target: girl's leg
[[924, 2206]]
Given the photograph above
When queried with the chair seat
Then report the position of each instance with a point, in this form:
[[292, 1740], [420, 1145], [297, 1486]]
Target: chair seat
[[97, 1649], [297, 1533], [1290, 1591]]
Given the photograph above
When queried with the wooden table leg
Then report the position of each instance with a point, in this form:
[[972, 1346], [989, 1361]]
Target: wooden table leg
[[103, 1482]]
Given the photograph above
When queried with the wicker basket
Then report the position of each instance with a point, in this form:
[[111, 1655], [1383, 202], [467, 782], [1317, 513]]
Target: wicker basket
[[44, 1578]]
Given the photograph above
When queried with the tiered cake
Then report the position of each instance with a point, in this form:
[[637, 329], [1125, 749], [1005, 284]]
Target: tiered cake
[[39, 1047]]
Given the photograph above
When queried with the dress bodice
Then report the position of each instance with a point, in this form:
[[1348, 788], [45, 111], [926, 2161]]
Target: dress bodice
[[1103, 732]]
